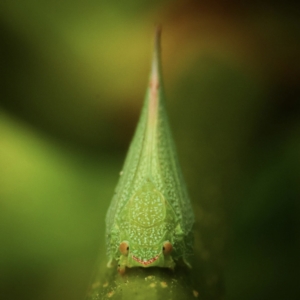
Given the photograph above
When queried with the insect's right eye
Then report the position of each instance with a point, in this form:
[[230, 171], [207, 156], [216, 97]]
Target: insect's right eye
[[167, 247], [124, 248]]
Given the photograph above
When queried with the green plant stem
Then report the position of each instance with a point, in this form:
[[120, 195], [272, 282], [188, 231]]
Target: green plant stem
[[143, 283]]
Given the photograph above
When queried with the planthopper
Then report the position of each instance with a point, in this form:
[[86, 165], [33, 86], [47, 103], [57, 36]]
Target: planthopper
[[150, 218]]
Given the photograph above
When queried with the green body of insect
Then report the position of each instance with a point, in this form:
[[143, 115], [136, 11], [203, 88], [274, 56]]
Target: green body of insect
[[149, 222]]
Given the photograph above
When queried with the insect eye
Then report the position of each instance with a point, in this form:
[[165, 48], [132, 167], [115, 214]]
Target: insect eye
[[124, 248], [167, 247]]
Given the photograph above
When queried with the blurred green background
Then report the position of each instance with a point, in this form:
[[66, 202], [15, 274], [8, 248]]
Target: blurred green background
[[72, 80]]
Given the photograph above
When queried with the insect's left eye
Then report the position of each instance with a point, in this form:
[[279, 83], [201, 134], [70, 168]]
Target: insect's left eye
[[124, 248], [167, 247]]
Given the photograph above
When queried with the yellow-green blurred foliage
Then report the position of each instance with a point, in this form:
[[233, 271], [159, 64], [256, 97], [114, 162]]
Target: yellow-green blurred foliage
[[72, 82]]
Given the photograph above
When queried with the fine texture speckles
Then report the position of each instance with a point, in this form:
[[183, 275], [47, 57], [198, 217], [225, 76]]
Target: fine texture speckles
[[147, 207], [150, 206], [145, 236]]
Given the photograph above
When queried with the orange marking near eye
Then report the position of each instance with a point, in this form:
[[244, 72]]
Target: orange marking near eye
[[124, 248], [167, 247]]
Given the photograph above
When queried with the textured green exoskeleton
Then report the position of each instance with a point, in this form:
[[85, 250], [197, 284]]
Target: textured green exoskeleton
[[149, 222]]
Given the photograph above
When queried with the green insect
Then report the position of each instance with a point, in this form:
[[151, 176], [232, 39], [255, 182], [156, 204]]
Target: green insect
[[149, 221]]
